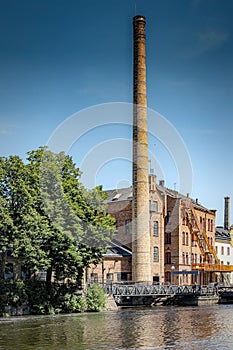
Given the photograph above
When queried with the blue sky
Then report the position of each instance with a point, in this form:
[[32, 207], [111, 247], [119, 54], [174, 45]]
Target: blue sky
[[59, 57]]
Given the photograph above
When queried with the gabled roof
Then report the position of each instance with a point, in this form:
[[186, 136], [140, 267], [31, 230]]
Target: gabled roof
[[119, 194], [126, 194], [117, 250], [222, 233]]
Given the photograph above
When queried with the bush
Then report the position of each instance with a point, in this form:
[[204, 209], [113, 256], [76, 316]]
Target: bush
[[74, 303], [95, 298]]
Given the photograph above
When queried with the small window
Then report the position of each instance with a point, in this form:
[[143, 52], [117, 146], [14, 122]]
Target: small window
[[195, 259], [222, 250], [167, 277], [228, 250], [216, 249], [156, 254], [121, 276], [183, 258], [167, 237], [156, 229], [168, 216], [154, 206], [187, 238], [94, 277], [168, 258], [109, 277], [116, 197], [183, 238]]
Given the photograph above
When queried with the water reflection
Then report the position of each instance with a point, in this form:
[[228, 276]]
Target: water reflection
[[165, 328]]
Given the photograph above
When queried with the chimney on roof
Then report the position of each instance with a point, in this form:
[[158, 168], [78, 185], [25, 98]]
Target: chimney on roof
[[227, 213], [196, 200], [161, 183]]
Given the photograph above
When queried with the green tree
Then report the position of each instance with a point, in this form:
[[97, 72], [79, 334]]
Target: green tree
[[22, 225], [80, 225], [48, 219]]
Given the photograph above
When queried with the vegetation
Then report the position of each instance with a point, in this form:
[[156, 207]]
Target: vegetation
[[52, 299], [49, 221], [95, 298]]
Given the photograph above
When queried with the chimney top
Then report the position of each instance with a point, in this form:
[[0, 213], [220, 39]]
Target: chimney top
[[139, 18], [161, 183]]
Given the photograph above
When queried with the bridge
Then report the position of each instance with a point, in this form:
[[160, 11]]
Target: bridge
[[125, 290], [143, 294]]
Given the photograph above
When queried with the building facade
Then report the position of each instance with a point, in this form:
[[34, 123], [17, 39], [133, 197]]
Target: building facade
[[224, 249], [182, 237]]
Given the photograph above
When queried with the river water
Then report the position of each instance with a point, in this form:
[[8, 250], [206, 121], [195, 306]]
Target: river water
[[207, 328]]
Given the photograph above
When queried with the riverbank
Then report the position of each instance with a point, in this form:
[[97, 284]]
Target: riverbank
[[39, 298]]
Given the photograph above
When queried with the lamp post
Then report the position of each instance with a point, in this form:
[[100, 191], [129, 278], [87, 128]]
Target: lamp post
[[172, 272]]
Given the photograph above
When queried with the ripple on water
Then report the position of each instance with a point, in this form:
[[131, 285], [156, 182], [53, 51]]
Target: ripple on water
[[208, 328]]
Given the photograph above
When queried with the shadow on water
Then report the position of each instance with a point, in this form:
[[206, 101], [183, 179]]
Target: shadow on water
[[150, 328]]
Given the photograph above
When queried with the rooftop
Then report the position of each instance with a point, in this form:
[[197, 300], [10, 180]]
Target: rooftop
[[222, 233]]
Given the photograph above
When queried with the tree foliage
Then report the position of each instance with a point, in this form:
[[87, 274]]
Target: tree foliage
[[48, 219]]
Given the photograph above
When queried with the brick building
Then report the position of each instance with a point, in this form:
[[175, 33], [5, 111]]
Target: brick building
[[182, 238]]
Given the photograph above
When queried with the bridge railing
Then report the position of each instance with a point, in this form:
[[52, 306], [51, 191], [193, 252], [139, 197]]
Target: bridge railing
[[159, 290]]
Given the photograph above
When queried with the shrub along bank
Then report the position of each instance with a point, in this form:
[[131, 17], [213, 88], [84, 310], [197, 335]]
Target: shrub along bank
[[41, 298]]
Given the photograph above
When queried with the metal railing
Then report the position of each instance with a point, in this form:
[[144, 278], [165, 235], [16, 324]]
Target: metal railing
[[157, 290]]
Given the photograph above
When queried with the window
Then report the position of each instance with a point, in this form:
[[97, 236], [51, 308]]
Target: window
[[128, 225], [121, 276], [216, 249], [154, 206], [167, 237], [183, 238], [156, 229], [222, 250], [187, 238], [228, 250], [167, 277], [156, 254], [187, 259], [183, 258], [109, 277], [168, 216], [168, 258], [94, 277], [211, 225], [184, 220]]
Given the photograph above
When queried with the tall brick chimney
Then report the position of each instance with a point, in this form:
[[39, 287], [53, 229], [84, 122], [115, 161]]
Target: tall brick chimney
[[141, 257], [227, 213]]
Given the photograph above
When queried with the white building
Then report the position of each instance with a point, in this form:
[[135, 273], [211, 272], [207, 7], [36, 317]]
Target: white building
[[224, 250]]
